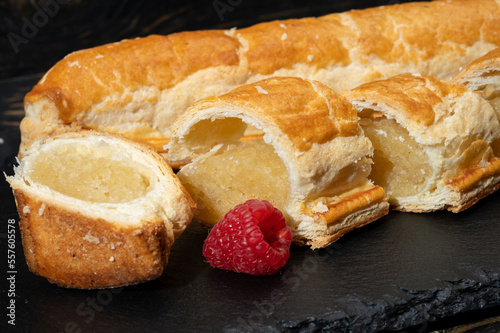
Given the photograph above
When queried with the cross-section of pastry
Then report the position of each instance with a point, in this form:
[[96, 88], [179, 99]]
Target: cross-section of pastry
[[432, 141], [483, 75], [97, 210], [312, 162]]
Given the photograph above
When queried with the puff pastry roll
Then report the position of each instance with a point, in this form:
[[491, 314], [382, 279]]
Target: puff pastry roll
[[98, 210], [483, 75], [312, 162], [432, 141], [139, 87]]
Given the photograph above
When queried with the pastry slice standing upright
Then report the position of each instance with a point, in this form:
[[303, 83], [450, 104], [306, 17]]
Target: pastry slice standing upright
[[312, 161], [483, 75], [432, 141], [98, 210]]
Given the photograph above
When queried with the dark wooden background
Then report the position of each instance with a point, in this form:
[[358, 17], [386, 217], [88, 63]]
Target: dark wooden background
[[34, 34]]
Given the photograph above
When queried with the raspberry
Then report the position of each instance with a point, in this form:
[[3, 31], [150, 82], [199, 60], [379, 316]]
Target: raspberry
[[251, 238]]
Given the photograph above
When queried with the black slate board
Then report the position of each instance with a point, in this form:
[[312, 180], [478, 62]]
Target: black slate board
[[405, 272]]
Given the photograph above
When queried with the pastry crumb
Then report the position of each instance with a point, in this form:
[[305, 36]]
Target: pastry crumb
[[41, 210], [74, 64], [26, 210], [320, 207], [91, 239], [261, 90], [112, 259]]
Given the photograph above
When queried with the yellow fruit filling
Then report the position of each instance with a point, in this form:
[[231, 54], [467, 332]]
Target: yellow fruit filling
[[400, 165], [90, 175], [235, 173]]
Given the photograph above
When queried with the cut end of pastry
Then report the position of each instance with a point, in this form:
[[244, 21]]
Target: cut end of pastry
[[400, 165], [321, 187], [433, 142], [94, 174], [97, 210], [483, 76], [352, 210]]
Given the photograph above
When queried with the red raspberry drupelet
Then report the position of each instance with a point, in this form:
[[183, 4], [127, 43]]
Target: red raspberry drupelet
[[251, 238]]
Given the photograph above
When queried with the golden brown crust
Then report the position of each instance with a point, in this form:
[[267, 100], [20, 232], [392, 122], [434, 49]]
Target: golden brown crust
[[368, 215], [282, 44], [145, 83], [75, 251], [428, 29], [85, 78], [339, 210], [351, 212], [307, 113]]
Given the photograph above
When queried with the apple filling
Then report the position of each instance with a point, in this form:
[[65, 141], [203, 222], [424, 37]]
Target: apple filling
[[400, 166], [220, 180], [95, 176]]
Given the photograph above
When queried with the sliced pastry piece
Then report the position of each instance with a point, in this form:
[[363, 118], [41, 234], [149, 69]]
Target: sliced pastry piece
[[312, 162], [432, 141], [483, 75], [97, 210]]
